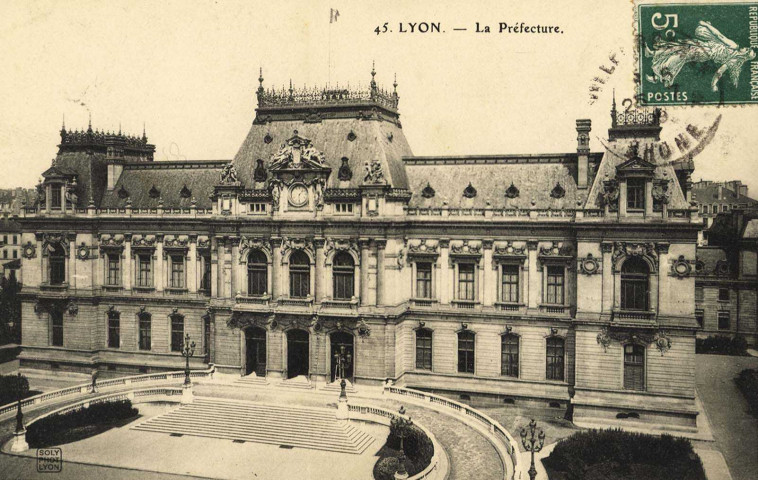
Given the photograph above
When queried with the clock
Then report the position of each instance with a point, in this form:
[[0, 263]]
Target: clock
[[298, 195]]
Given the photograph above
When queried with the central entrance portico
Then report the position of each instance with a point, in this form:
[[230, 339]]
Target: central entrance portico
[[255, 346]]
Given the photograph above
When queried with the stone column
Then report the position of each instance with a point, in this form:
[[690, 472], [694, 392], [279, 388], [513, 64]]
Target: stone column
[[490, 275], [215, 271], [192, 265], [234, 281], [380, 273], [534, 279], [363, 243], [320, 280], [160, 264], [276, 268], [648, 199], [71, 271], [607, 293], [444, 272], [128, 274]]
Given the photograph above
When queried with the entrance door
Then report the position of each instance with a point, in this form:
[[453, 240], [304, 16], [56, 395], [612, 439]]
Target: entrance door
[[342, 343], [255, 342], [297, 353]]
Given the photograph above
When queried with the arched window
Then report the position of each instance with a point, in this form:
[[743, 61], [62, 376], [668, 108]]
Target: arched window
[[509, 355], [343, 273], [466, 351], [634, 284], [300, 275], [57, 265], [423, 349], [257, 273], [555, 358], [634, 367]]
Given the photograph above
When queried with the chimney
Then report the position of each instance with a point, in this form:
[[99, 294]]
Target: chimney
[[743, 190], [583, 127]]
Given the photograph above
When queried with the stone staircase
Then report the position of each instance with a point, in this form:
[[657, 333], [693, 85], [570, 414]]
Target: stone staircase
[[300, 382], [335, 387], [287, 426], [252, 380]]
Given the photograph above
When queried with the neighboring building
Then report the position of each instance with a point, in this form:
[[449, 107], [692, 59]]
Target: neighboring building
[[550, 278], [726, 287], [713, 198]]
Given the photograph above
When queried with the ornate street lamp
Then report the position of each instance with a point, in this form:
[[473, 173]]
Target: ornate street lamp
[[187, 351], [532, 444], [343, 360], [401, 426], [21, 389]]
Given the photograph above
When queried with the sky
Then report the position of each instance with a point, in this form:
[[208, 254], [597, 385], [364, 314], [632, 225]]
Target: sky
[[188, 71]]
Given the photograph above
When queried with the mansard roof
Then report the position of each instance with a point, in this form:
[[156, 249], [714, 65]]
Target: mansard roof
[[546, 181], [174, 183]]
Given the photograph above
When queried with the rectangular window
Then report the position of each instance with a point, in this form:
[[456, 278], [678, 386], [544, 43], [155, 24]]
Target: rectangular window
[[300, 283], [177, 333], [555, 355], [705, 209], [5, 253], [56, 323], [723, 320], [15, 253], [699, 317], [635, 194], [424, 280], [144, 272], [723, 294], [423, 349], [466, 273], [15, 239], [205, 281], [177, 271], [699, 294], [55, 197], [555, 277], [57, 268], [145, 332], [634, 367], [258, 208], [509, 292], [466, 352], [343, 208], [114, 269], [207, 335], [114, 331], [509, 355]]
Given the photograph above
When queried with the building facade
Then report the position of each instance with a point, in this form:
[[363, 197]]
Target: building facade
[[726, 286], [563, 279]]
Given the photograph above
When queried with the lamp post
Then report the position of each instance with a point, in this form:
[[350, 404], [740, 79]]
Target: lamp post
[[343, 360], [187, 351], [19, 436], [401, 425], [532, 444]]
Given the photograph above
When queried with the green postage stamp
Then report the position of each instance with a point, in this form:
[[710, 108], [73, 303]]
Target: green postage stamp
[[697, 53]]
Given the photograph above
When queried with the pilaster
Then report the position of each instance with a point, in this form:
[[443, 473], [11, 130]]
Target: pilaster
[[534, 279], [381, 244], [320, 280], [490, 275], [276, 268], [444, 272], [364, 243]]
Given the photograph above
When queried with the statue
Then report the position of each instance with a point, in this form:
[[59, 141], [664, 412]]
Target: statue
[[275, 193], [374, 173], [229, 174], [318, 188]]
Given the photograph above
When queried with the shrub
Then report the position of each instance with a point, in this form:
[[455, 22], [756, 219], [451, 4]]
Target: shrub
[[722, 345], [9, 388], [614, 454], [50, 430], [418, 448], [747, 381]]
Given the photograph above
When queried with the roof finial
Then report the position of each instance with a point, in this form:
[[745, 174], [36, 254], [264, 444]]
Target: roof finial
[[394, 84], [144, 135], [89, 128], [291, 89], [63, 126], [613, 109], [119, 129], [260, 81], [373, 74]]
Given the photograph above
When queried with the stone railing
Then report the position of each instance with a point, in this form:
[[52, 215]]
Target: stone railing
[[499, 214], [103, 384], [436, 469], [502, 440]]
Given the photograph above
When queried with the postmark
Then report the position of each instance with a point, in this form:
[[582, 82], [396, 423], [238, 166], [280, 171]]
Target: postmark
[[697, 53]]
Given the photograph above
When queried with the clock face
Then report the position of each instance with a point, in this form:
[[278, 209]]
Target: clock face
[[298, 195]]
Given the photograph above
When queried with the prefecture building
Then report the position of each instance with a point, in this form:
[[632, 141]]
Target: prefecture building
[[563, 279]]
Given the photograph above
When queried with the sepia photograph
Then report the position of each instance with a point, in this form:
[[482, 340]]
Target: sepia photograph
[[352, 240]]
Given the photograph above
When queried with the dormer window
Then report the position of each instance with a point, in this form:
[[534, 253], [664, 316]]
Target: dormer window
[[56, 199], [635, 194]]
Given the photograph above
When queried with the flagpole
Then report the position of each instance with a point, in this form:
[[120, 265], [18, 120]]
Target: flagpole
[[329, 75]]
